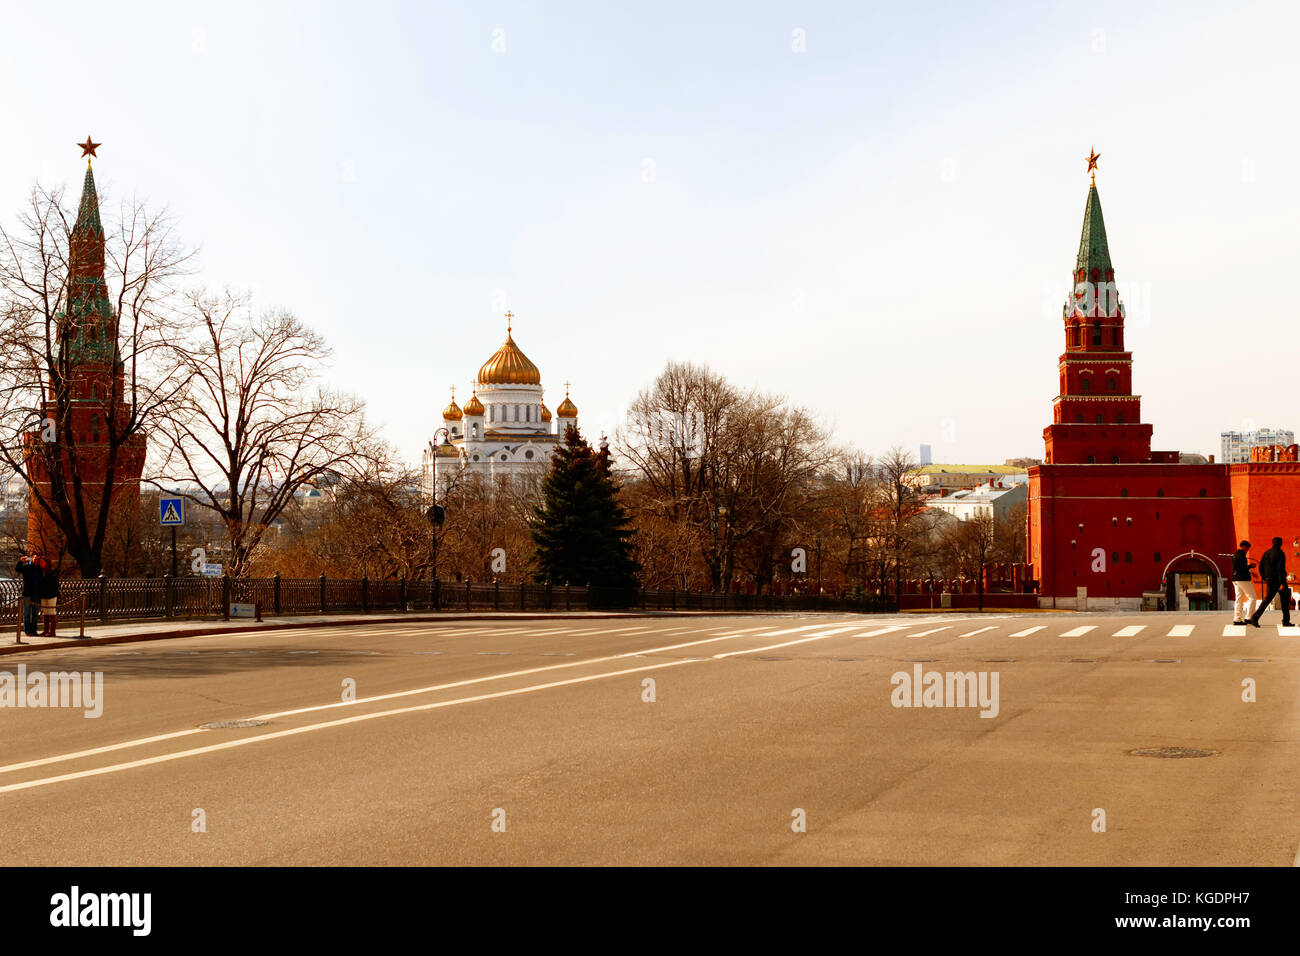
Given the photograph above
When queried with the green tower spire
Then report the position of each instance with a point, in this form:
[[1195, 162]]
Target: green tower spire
[[1093, 251]]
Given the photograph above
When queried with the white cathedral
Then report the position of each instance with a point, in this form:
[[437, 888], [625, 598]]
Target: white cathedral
[[504, 428]]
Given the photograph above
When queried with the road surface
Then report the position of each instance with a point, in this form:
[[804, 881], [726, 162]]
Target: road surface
[[770, 739]]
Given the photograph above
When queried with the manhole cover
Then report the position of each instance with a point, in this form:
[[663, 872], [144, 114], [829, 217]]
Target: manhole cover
[[1172, 752], [232, 724]]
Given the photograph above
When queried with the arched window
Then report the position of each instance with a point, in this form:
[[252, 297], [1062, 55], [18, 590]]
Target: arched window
[[1101, 419], [1096, 333], [1076, 339], [1085, 383], [1111, 383]]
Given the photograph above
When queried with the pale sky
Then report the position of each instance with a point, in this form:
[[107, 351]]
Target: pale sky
[[881, 226]]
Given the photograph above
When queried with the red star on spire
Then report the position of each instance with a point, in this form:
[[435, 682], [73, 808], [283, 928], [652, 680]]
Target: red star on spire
[[88, 148]]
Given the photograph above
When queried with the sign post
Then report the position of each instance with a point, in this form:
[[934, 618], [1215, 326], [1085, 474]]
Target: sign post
[[171, 514]]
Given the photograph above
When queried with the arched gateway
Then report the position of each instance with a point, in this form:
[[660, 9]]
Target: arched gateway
[[1191, 583]]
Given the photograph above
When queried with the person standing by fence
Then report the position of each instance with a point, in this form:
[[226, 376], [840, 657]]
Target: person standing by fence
[[30, 572], [48, 591]]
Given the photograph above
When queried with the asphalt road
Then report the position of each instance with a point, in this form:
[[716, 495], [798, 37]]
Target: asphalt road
[[534, 742]]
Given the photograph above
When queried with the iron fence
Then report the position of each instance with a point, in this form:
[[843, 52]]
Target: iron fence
[[119, 599]]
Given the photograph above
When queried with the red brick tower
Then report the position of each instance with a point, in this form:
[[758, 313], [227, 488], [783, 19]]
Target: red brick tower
[[1096, 418], [82, 449]]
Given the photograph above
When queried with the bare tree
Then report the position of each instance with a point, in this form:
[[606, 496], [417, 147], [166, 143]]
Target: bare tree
[[252, 425], [85, 316], [730, 465], [900, 525], [971, 544]]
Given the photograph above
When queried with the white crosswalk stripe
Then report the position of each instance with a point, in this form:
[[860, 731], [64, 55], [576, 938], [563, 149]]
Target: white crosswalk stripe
[[1029, 630], [1080, 631], [1131, 631], [1293, 631], [935, 630], [1181, 630], [991, 627], [1234, 630]]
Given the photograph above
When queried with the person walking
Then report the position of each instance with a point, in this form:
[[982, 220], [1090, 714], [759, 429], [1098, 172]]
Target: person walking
[[1272, 568], [1241, 568], [30, 572], [48, 591]]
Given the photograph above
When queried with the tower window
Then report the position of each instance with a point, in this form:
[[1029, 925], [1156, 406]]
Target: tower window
[[1202, 492], [1114, 459], [1111, 383], [1085, 384], [1096, 333], [1160, 493], [1157, 557], [1123, 492], [1128, 557], [1092, 459], [1101, 419]]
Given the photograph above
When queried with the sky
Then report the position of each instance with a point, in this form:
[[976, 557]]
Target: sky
[[872, 209]]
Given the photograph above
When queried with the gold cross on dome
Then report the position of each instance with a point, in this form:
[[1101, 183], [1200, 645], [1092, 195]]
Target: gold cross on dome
[[509, 320], [566, 389]]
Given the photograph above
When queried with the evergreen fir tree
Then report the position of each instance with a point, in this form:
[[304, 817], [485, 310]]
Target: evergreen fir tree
[[581, 530]]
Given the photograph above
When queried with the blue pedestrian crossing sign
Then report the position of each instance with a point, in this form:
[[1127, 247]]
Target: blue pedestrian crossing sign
[[171, 511]]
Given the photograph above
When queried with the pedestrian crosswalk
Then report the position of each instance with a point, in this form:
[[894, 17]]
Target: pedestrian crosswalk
[[1082, 630]]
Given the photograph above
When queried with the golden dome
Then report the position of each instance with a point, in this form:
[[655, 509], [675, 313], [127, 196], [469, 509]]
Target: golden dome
[[452, 412], [474, 406], [546, 413], [509, 366], [567, 409]]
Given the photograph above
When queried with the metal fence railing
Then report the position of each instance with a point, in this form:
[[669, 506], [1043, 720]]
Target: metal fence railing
[[118, 599]]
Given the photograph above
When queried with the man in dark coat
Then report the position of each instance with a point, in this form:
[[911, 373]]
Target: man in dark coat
[[1241, 568], [1272, 568], [48, 591], [30, 572]]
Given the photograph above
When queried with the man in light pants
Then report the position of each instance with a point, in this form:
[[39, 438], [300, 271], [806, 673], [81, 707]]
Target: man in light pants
[[1241, 567]]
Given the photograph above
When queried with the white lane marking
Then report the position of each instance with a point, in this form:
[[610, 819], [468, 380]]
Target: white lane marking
[[805, 640], [1080, 631], [1131, 631], [1230, 630], [363, 700], [796, 630], [932, 631], [1292, 631], [1029, 630], [293, 731], [1181, 630], [991, 627]]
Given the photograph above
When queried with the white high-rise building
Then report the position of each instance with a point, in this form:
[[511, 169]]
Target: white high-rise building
[[504, 428], [1236, 446]]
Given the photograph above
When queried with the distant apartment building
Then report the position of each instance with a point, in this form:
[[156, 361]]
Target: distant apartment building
[[994, 500], [1235, 446], [927, 456]]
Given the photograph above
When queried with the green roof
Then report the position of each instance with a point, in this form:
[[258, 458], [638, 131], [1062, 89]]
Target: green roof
[[969, 469], [1093, 251], [88, 212]]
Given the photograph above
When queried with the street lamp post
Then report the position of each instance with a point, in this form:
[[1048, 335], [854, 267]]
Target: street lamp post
[[436, 514]]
